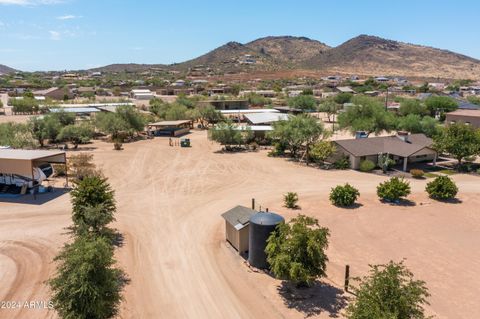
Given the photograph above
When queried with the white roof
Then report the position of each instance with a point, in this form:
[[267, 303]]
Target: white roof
[[262, 118], [249, 111], [255, 128], [94, 105], [140, 91], [74, 110], [28, 155]]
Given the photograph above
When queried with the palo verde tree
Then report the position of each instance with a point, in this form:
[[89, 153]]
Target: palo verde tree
[[297, 132], [441, 104], [227, 134], [367, 114], [303, 102], [389, 291], [459, 140], [296, 250], [76, 134]]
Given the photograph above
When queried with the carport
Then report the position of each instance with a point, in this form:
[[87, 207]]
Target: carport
[[23, 162]]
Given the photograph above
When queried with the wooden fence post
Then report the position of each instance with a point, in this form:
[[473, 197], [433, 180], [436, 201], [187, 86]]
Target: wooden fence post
[[347, 277]]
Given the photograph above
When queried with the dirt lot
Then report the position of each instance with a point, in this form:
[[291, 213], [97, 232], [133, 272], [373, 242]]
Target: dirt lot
[[169, 205]]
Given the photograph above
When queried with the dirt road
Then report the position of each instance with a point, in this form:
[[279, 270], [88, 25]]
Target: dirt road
[[169, 206]]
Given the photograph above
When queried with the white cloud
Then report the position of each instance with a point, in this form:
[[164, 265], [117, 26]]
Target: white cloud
[[29, 2], [68, 17], [55, 35]]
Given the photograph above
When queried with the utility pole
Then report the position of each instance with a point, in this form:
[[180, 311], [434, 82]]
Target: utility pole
[[386, 100]]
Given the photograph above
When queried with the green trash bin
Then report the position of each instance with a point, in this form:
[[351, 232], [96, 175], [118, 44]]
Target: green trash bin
[[185, 142]]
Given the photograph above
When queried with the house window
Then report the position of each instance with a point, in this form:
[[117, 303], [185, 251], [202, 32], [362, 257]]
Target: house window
[[363, 158], [421, 156], [467, 123]]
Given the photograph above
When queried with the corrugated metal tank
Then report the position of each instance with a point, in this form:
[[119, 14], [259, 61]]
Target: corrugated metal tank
[[261, 226]]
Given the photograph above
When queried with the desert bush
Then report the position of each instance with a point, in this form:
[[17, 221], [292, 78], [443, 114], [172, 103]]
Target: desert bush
[[442, 188], [342, 163], [367, 166], [417, 173], [81, 165], [393, 189], [345, 195], [290, 199]]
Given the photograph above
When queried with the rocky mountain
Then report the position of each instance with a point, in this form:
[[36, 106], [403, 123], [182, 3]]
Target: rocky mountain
[[363, 55], [370, 55], [5, 69], [287, 49], [129, 67]]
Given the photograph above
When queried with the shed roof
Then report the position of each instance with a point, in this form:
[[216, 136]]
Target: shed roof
[[74, 110], [261, 118], [21, 162], [170, 123], [238, 216], [386, 144]]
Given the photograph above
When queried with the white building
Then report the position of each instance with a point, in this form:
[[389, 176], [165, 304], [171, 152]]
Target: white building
[[142, 94]]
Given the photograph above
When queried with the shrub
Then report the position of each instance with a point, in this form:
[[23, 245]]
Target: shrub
[[290, 199], [297, 251], [388, 291], [117, 146], [342, 163], [81, 165], [345, 195], [393, 189], [442, 188], [367, 166], [417, 173], [60, 170]]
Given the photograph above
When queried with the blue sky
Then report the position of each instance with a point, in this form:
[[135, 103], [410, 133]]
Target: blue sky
[[77, 34]]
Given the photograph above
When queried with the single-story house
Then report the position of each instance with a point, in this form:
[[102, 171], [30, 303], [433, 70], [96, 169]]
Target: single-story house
[[265, 118], [403, 147], [170, 128], [55, 93], [237, 222], [471, 117], [142, 94], [345, 89]]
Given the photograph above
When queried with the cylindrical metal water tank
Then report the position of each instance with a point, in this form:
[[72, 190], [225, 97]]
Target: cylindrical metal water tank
[[260, 228]]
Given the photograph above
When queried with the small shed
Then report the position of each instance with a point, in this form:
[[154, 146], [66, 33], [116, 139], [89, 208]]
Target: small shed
[[237, 227]]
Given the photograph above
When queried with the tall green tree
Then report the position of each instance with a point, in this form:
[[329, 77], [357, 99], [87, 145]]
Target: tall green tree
[[367, 114], [227, 134], [459, 140], [87, 284], [297, 132], [303, 102], [442, 104], [412, 106], [76, 134], [296, 251], [389, 291], [331, 108]]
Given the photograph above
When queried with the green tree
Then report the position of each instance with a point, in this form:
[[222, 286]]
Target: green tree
[[344, 195], [91, 191], [303, 102], [442, 104], [132, 117], [17, 135], [87, 284], [442, 188], [227, 134], [176, 112], [472, 99], [389, 291], [321, 151], [412, 106], [76, 134], [459, 140], [112, 124], [298, 131], [367, 114], [331, 108], [343, 98], [209, 115], [393, 189], [296, 251]]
